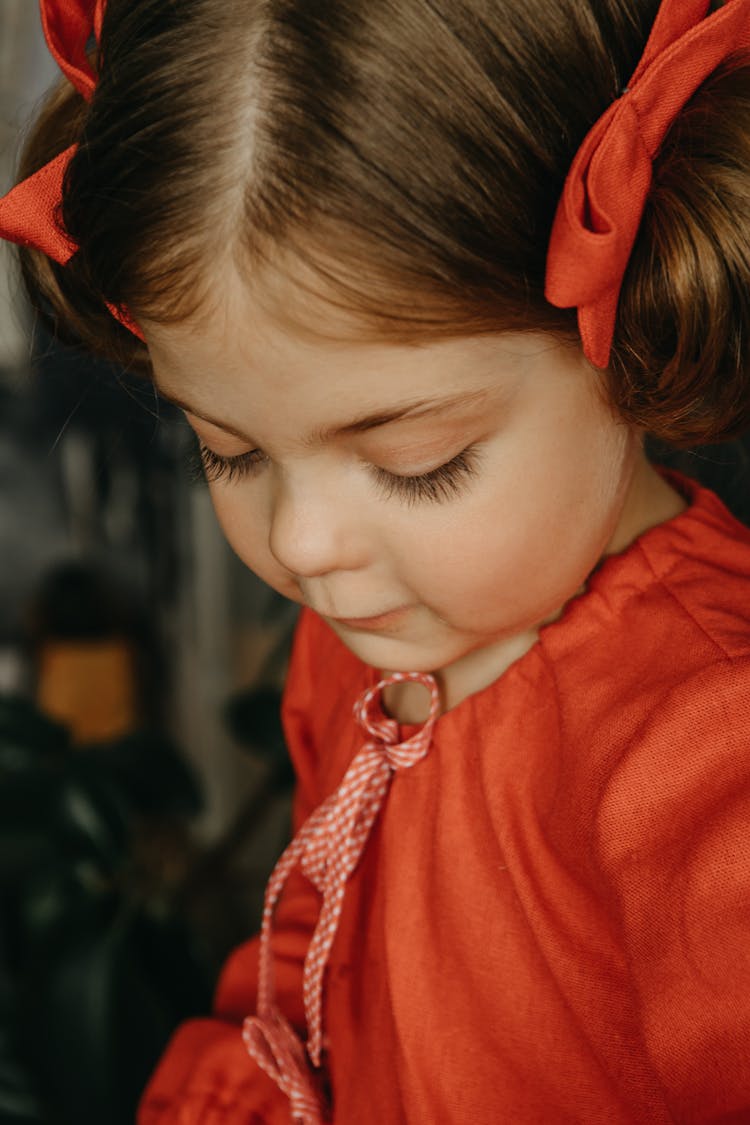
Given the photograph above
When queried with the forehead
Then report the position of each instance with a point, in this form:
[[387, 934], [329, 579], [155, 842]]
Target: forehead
[[295, 352]]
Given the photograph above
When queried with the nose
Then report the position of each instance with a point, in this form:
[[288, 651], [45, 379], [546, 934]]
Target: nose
[[313, 531]]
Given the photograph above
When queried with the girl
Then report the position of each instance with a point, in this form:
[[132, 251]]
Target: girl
[[422, 274]]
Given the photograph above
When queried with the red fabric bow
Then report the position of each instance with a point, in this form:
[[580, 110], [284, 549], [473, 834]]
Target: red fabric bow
[[609, 180], [28, 213]]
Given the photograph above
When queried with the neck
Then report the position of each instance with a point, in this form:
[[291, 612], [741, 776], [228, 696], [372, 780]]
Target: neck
[[476, 670]]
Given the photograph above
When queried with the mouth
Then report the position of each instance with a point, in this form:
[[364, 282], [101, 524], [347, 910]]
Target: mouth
[[376, 623]]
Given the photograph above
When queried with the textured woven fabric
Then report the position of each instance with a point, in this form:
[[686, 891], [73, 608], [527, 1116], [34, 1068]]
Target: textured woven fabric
[[609, 180], [549, 922], [68, 26]]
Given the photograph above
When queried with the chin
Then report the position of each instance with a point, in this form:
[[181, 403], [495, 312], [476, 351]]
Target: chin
[[395, 654]]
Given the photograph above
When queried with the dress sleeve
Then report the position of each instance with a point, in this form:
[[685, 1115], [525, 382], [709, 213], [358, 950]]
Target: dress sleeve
[[674, 838], [206, 1074]]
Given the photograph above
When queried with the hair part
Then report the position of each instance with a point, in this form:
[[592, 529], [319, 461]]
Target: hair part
[[403, 160]]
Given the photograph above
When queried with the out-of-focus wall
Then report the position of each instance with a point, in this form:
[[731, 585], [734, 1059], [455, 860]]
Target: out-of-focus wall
[[26, 71], [219, 624]]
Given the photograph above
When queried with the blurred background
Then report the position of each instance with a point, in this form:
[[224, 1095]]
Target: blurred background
[[144, 784]]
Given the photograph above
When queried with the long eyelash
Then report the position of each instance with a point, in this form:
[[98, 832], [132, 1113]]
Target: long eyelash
[[439, 484], [209, 466]]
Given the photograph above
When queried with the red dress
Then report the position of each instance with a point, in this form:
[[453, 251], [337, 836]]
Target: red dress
[[551, 919]]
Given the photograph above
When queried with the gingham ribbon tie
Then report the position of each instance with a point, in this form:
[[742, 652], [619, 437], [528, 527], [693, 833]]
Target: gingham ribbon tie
[[327, 849], [273, 1043]]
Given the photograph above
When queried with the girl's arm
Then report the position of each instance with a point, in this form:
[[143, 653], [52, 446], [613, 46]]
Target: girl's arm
[[206, 1073], [675, 844]]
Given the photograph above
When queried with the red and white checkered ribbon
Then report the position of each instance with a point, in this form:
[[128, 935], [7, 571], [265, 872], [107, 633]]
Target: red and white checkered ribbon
[[327, 848]]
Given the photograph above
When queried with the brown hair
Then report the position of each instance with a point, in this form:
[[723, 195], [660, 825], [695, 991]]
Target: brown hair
[[410, 153]]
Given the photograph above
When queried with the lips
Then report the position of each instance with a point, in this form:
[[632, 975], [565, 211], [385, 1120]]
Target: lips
[[374, 623]]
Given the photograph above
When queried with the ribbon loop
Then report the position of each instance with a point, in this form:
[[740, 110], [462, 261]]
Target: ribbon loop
[[368, 710], [608, 184], [272, 1043], [369, 715], [68, 27], [28, 213]]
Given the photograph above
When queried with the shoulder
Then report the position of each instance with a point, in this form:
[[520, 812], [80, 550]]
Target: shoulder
[[653, 679], [687, 765], [661, 637], [701, 563], [686, 645]]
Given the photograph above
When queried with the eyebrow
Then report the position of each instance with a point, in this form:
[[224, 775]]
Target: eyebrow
[[420, 408]]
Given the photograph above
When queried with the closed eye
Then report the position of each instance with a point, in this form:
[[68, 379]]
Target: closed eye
[[211, 466], [440, 484]]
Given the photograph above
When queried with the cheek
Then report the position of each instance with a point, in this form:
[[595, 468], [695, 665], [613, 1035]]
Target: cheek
[[530, 534], [232, 515], [244, 523]]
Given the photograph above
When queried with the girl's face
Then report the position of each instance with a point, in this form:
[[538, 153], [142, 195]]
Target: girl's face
[[434, 503]]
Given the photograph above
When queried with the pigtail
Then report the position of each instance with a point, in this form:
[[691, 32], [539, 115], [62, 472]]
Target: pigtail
[[680, 359]]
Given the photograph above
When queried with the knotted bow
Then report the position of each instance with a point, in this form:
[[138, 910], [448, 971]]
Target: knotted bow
[[328, 848], [29, 212], [609, 180]]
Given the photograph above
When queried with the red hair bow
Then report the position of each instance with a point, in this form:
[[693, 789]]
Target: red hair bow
[[28, 213], [608, 183]]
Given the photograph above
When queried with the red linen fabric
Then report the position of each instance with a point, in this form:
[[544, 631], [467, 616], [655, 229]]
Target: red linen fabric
[[551, 920], [68, 25]]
